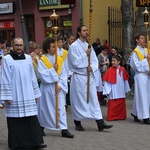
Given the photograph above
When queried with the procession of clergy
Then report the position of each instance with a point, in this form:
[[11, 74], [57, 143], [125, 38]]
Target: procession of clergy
[[31, 84]]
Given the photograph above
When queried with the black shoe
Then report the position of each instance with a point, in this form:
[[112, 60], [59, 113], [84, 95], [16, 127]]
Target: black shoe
[[43, 133], [67, 134], [40, 146], [102, 125], [79, 128], [146, 121], [135, 118]]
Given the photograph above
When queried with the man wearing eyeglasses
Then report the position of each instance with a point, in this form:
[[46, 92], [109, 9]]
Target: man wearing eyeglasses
[[20, 93]]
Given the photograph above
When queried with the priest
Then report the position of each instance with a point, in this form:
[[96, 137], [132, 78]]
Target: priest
[[20, 93]]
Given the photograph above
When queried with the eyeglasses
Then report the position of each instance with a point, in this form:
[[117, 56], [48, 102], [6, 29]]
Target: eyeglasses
[[16, 45]]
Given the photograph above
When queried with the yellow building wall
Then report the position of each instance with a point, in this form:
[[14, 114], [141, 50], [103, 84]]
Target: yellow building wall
[[99, 16]]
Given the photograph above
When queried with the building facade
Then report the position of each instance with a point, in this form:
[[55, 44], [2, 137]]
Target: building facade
[[38, 24], [100, 16], [36, 15]]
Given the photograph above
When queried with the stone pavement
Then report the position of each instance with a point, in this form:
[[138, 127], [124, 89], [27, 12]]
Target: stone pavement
[[125, 135]]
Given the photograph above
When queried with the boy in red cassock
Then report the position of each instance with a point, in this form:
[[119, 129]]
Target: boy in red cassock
[[116, 85]]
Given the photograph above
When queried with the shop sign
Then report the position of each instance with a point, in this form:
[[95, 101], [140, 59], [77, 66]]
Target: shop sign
[[50, 4], [7, 24], [67, 23], [47, 3], [6, 8], [142, 3]]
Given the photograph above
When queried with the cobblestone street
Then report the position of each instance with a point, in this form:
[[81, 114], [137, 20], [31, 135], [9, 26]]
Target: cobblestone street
[[125, 135]]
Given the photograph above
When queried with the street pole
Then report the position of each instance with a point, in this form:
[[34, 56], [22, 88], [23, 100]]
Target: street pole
[[25, 37]]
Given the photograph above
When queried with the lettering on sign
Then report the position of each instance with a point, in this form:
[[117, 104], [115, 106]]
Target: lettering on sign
[[1, 24], [12, 24], [67, 23], [7, 24], [142, 3], [48, 2], [51, 4]]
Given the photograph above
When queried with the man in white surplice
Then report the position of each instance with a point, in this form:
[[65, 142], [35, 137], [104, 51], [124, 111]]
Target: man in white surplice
[[139, 63], [78, 64], [20, 93], [49, 73]]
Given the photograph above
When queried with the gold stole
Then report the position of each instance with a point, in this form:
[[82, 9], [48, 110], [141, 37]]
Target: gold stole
[[140, 54], [49, 65], [65, 52]]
